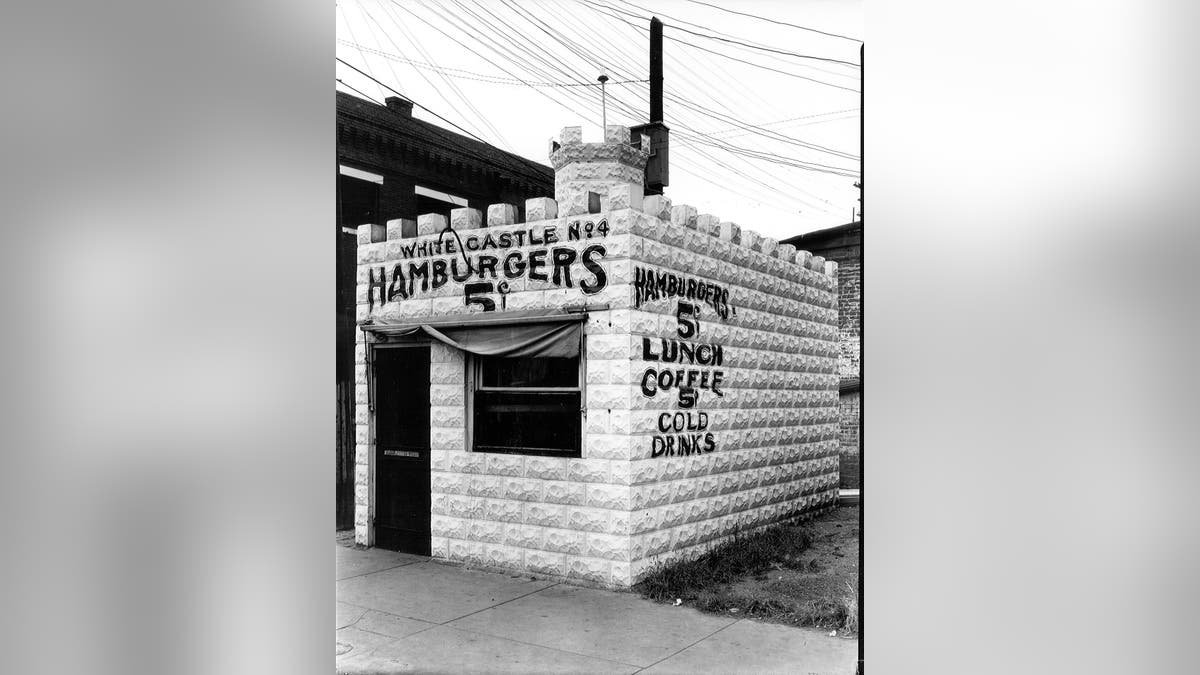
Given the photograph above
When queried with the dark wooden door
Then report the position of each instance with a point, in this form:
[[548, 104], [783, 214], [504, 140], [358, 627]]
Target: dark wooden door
[[402, 449]]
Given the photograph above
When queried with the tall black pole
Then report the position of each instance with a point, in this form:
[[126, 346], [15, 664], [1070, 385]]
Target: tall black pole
[[656, 77], [862, 321]]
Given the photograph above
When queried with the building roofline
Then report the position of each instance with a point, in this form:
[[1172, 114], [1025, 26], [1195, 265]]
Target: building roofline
[[816, 235], [422, 130]]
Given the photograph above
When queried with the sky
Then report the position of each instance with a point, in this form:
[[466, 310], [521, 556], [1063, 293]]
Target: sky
[[764, 116]]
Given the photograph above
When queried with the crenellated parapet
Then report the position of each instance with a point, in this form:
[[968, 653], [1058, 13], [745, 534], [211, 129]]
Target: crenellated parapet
[[593, 177]]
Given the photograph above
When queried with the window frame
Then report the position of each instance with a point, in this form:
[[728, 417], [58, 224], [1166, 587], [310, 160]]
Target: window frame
[[474, 383]]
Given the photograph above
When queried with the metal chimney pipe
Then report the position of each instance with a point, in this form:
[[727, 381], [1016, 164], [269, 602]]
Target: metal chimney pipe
[[656, 70]]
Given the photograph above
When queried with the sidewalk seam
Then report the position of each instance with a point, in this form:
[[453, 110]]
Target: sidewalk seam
[[500, 604], [405, 564], [689, 646], [534, 644]]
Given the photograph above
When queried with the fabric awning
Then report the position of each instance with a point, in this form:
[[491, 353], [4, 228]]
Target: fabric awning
[[531, 333]]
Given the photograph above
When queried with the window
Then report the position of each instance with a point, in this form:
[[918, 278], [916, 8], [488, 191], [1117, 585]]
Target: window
[[528, 406]]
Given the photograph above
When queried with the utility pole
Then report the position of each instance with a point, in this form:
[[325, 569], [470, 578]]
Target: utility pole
[[658, 166], [603, 105]]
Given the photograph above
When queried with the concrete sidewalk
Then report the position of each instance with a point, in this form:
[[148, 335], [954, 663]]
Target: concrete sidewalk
[[399, 613]]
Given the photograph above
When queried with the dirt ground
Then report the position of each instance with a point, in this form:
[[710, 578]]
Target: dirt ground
[[802, 575], [816, 587]]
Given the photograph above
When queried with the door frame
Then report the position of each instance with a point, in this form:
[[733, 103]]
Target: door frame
[[372, 346]]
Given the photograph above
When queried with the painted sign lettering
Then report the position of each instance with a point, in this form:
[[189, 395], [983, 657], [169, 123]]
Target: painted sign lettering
[[649, 284], [684, 432], [483, 274]]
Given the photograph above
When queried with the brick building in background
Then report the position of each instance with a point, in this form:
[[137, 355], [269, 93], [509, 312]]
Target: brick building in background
[[843, 245], [393, 167]]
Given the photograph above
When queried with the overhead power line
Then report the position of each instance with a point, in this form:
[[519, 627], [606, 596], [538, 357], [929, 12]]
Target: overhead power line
[[507, 164], [721, 54], [373, 78], [478, 77], [358, 91], [736, 42], [774, 21], [790, 119], [673, 21]]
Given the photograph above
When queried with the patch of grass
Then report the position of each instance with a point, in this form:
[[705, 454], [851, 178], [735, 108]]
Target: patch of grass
[[803, 575], [741, 556]]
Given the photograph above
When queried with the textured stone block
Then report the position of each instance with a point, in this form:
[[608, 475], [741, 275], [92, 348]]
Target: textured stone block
[[501, 214], [505, 465], [430, 223], [831, 268], [369, 233], [588, 470], [658, 206], [401, 228], [622, 196], [564, 492], [571, 135], [708, 224], [524, 536], [565, 541], [466, 219], [448, 416], [684, 216], [730, 232], [546, 468], [616, 133], [608, 496], [447, 395], [503, 556], [545, 562], [523, 489], [608, 547], [785, 252], [588, 519], [540, 208], [546, 515], [590, 569]]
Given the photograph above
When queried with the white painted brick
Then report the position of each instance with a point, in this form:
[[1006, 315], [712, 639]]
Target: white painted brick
[[497, 555], [590, 569], [544, 562], [588, 470], [524, 536], [546, 515], [608, 496], [466, 218], [439, 547], [608, 547], [565, 541], [564, 492], [504, 465], [499, 215], [430, 223], [447, 416], [658, 206], [588, 519]]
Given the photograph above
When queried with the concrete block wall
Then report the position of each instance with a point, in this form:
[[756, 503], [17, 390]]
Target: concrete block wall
[[767, 449], [775, 429]]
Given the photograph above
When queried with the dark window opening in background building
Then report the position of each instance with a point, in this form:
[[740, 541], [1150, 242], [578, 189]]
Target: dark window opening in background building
[[358, 198], [436, 201], [530, 406]]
